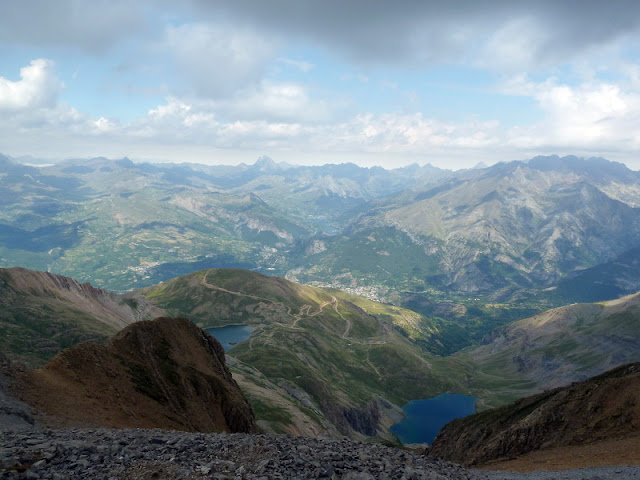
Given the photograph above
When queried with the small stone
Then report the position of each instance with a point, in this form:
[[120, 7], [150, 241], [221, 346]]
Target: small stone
[[327, 472], [39, 464], [357, 476], [183, 473]]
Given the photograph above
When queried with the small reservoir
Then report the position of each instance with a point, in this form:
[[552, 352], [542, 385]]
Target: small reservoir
[[230, 335], [425, 418]]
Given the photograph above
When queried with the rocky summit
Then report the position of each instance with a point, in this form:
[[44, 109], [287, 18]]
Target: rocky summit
[[164, 373]]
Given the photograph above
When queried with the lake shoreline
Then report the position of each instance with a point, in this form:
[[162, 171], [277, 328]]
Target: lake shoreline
[[425, 418]]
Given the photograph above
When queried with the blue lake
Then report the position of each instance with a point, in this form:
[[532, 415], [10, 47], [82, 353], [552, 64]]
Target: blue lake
[[231, 335], [425, 418]]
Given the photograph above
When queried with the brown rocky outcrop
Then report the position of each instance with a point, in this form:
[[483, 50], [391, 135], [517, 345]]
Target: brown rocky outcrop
[[164, 373], [602, 408]]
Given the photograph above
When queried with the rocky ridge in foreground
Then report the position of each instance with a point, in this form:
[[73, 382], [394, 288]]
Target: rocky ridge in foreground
[[141, 454], [604, 407], [162, 455]]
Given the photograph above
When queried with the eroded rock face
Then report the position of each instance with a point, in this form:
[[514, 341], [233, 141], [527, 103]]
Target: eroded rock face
[[365, 420], [164, 373], [14, 414], [601, 408]]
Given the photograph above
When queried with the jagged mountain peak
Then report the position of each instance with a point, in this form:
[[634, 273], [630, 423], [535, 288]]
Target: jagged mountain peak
[[265, 162]]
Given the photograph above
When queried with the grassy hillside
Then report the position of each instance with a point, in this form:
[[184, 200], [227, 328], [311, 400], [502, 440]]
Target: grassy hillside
[[606, 281], [339, 363], [555, 348], [323, 360]]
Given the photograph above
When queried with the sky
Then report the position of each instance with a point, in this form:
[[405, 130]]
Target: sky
[[374, 82]]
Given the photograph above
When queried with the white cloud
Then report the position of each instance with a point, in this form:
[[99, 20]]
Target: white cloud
[[105, 125], [406, 133], [179, 117], [219, 60], [594, 115], [38, 87], [276, 101]]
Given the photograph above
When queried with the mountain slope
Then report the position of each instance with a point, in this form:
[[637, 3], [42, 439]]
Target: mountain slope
[[42, 313], [499, 232], [116, 223], [555, 348], [325, 361], [605, 407], [609, 280], [331, 364], [165, 373], [119, 224]]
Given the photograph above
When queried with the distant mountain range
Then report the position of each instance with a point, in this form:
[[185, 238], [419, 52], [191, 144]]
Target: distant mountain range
[[503, 233], [121, 224]]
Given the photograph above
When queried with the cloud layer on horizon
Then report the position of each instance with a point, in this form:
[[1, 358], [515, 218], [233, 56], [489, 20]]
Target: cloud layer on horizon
[[256, 77]]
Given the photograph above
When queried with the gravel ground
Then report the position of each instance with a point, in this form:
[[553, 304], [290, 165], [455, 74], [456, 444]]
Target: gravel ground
[[28, 452], [596, 473], [138, 454], [157, 454]]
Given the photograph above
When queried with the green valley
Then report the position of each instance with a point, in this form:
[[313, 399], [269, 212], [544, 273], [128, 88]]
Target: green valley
[[333, 364], [324, 360]]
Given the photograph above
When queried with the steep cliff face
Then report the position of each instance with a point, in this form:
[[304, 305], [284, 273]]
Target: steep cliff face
[[602, 408], [165, 373]]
